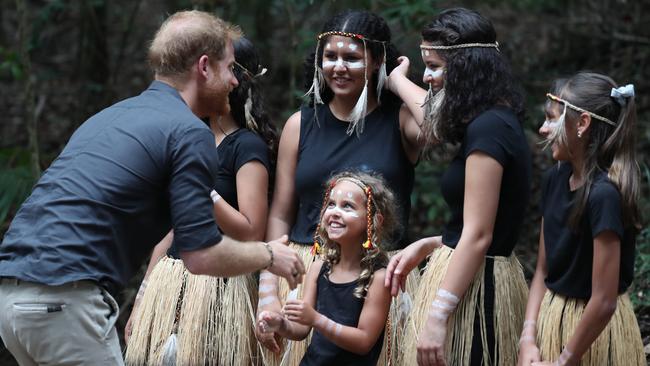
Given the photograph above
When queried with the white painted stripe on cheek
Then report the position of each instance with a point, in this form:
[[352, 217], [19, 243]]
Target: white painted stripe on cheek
[[341, 212]]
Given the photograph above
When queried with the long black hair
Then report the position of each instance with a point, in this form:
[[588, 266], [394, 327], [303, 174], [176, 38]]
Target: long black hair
[[372, 27], [476, 78], [246, 55]]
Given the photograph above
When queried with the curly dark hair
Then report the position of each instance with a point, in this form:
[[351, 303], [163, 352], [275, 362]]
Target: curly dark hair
[[384, 222], [246, 55], [476, 78], [372, 27]]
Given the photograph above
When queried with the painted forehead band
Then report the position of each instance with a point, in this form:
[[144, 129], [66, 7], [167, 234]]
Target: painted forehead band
[[576, 108], [457, 46], [355, 181], [358, 114]]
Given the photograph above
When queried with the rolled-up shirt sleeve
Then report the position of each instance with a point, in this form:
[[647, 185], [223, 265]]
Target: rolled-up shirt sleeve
[[194, 163]]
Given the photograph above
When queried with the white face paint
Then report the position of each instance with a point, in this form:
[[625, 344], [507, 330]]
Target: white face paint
[[339, 192], [328, 46], [347, 64], [332, 210], [339, 44], [435, 74], [551, 124], [352, 46], [349, 195]]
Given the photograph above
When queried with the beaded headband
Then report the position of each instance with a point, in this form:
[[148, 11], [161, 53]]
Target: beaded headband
[[457, 46], [358, 113], [316, 249], [346, 34], [576, 108]]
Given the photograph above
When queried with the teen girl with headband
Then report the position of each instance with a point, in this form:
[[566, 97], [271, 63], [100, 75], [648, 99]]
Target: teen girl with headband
[[344, 300], [351, 123], [212, 318], [469, 307], [578, 311]]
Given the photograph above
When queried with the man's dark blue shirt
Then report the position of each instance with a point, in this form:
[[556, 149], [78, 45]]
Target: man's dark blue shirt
[[126, 177]]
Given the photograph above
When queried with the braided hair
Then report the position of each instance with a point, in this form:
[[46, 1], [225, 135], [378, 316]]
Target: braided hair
[[246, 55], [381, 215], [372, 27]]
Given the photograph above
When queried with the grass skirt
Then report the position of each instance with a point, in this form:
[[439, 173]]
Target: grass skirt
[[619, 343], [400, 308], [211, 317], [510, 295], [292, 351]]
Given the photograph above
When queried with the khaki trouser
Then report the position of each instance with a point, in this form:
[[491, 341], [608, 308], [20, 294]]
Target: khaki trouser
[[71, 324]]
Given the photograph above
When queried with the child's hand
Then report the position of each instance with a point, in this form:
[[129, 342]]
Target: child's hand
[[269, 322], [300, 312]]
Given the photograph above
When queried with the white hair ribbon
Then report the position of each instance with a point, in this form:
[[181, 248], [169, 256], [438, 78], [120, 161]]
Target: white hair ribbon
[[621, 93]]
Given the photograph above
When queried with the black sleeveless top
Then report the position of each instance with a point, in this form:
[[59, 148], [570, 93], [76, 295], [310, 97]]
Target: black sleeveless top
[[337, 302], [325, 149]]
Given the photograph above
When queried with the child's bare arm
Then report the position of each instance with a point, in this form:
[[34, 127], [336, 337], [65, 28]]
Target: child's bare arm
[[360, 339], [291, 329]]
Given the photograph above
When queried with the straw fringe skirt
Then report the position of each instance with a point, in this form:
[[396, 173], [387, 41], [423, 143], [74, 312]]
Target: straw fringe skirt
[[619, 343], [510, 295], [292, 351], [400, 308], [212, 318]]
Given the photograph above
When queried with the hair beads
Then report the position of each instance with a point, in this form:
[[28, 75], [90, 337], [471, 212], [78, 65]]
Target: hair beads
[[368, 243]]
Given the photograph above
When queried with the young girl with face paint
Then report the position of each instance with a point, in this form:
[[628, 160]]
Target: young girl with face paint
[[578, 311], [351, 122], [344, 300], [470, 305], [246, 142]]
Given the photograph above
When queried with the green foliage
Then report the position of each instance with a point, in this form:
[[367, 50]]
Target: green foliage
[[10, 64], [429, 210], [640, 291], [16, 179]]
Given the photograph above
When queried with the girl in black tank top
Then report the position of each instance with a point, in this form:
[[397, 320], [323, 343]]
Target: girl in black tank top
[[350, 122], [344, 300]]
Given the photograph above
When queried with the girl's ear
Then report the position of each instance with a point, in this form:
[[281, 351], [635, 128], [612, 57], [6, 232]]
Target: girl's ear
[[583, 124]]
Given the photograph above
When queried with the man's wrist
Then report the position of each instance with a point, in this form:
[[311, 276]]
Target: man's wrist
[[271, 258]]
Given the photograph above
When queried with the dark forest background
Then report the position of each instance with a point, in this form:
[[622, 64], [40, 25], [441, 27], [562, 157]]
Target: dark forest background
[[62, 61]]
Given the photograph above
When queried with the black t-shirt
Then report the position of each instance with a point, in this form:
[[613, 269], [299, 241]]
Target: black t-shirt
[[237, 149], [497, 133], [337, 302], [325, 149], [126, 177], [569, 254]]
